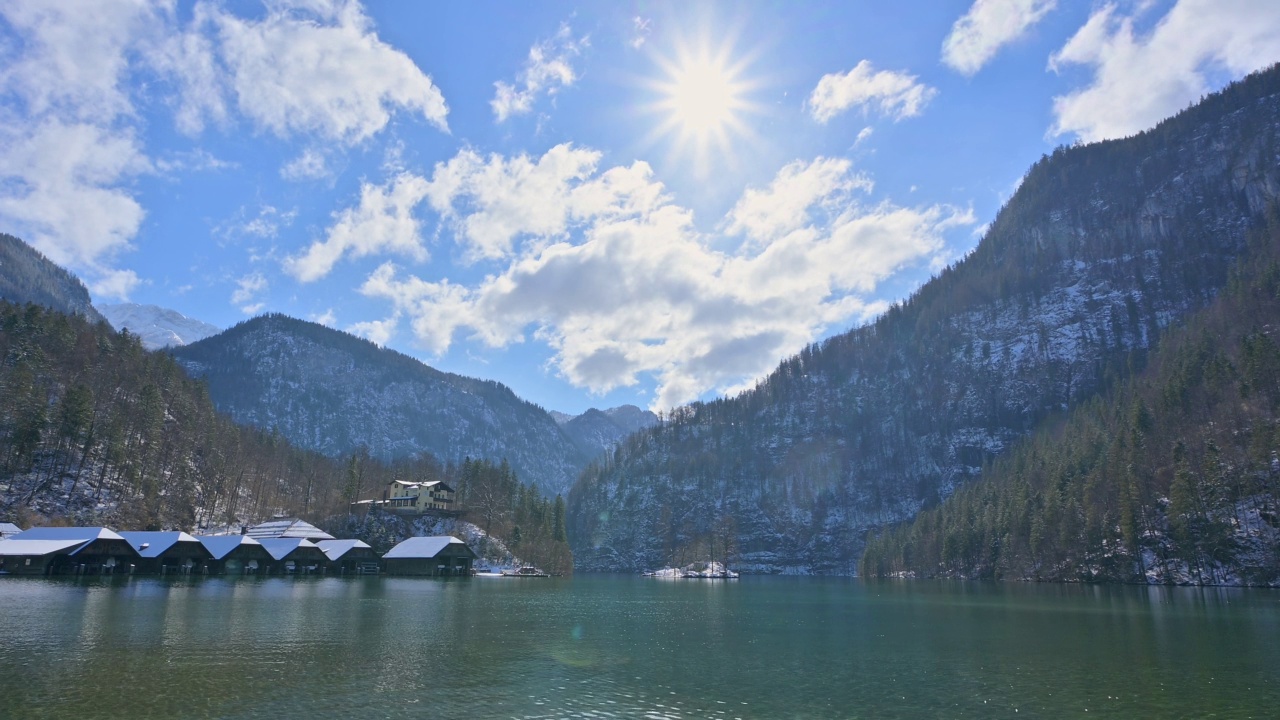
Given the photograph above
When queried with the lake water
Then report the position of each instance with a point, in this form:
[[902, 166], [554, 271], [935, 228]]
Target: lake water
[[614, 646]]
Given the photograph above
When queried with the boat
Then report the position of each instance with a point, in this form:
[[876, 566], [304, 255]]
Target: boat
[[524, 571], [696, 571]]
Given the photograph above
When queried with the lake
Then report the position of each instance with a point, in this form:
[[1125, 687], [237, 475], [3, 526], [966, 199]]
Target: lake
[[618, 646]]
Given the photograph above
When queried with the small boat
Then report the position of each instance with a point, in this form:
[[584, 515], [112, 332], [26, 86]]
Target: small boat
[[524, 571]]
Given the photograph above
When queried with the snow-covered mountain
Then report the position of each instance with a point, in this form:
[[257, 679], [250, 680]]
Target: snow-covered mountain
[[157, 327], [1100, 248]]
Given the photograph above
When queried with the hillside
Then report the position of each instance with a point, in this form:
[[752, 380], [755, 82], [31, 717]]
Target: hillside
[[1171, 477], [333, 392], [96, 430], [27, 276], [1101, 248]]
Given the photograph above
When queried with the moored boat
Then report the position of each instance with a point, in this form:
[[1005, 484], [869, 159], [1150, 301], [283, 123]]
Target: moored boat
[[525, 571]]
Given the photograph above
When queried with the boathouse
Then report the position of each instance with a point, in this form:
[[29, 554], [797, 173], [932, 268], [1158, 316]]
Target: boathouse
[[294, 555], [287, 528], [441, 555], [90, 550], [347, 557], [235, 555], [33, 557], [168, 552]]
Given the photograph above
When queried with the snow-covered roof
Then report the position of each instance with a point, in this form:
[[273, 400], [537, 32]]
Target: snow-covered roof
[[18, 548], [287, 528], [334, 549], [221, 545], [83, 534], [422, 547], [152, 544], [427, 484], [7, 529], [281, 547]]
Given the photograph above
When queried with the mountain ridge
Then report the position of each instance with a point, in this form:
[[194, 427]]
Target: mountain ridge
[[1100, 248]]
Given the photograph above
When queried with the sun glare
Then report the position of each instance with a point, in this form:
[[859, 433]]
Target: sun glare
[[701, 99]]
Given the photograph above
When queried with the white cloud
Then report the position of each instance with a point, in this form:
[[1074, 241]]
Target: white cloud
[[378, 332], [74, 73], [640, 29], [321, 69], [327, 318], [546, 71], [246, 293], [382, 222], [619, 283], [268, 222], [1141, 78], [310, 165], [783, 207], [894, 94], [60, 189], [988, 26]]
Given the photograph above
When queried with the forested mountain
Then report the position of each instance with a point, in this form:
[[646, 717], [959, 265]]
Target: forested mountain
[[1100, 248], [596, 432], [1173, 476], [97, 430], [155, 326], [333, 392], [27, 276]]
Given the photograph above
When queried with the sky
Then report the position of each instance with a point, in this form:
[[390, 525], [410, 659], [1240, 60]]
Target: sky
[[593, 203]]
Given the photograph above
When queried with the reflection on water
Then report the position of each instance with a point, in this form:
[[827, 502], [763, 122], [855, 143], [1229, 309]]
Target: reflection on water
[[611, 646]]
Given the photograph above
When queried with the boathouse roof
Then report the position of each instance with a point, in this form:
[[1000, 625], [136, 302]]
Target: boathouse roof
[[153, 544], [280, 548], [222, 545], [8, 530], [83, 534], [32, 548], [422, 547], [287, 528], [335, 549]]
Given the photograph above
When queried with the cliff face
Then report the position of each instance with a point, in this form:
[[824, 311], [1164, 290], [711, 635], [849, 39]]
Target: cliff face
[[1101, 247], [329, 391]]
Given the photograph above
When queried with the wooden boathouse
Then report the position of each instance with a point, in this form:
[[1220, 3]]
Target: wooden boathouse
[[442, 555]]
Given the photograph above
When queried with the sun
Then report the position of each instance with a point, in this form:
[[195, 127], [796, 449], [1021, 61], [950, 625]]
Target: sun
[[701, 100]]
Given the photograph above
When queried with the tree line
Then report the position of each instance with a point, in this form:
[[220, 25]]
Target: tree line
[[1171, 477]]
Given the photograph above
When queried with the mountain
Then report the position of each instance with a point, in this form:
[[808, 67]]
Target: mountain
[[27, 276], [1101, 248], [333, 392], [1172, 477], [598, 431], [157, 327]]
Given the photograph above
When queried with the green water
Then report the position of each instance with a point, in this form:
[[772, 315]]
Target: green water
[[612, 646]]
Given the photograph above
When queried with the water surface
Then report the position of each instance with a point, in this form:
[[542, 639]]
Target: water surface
[[615, 646]]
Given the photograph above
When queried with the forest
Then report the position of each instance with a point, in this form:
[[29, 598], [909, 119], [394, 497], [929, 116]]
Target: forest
[[1172, 476]]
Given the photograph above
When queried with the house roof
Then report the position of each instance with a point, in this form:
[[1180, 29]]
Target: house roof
[[428, 484], [221, 546], [153, 544], [7, 529], [334, 549], [19, 548], [287, 528], [422, 547], [280, 548]]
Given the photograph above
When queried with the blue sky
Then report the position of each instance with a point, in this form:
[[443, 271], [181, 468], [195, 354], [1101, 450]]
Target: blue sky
[[594, 203]]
